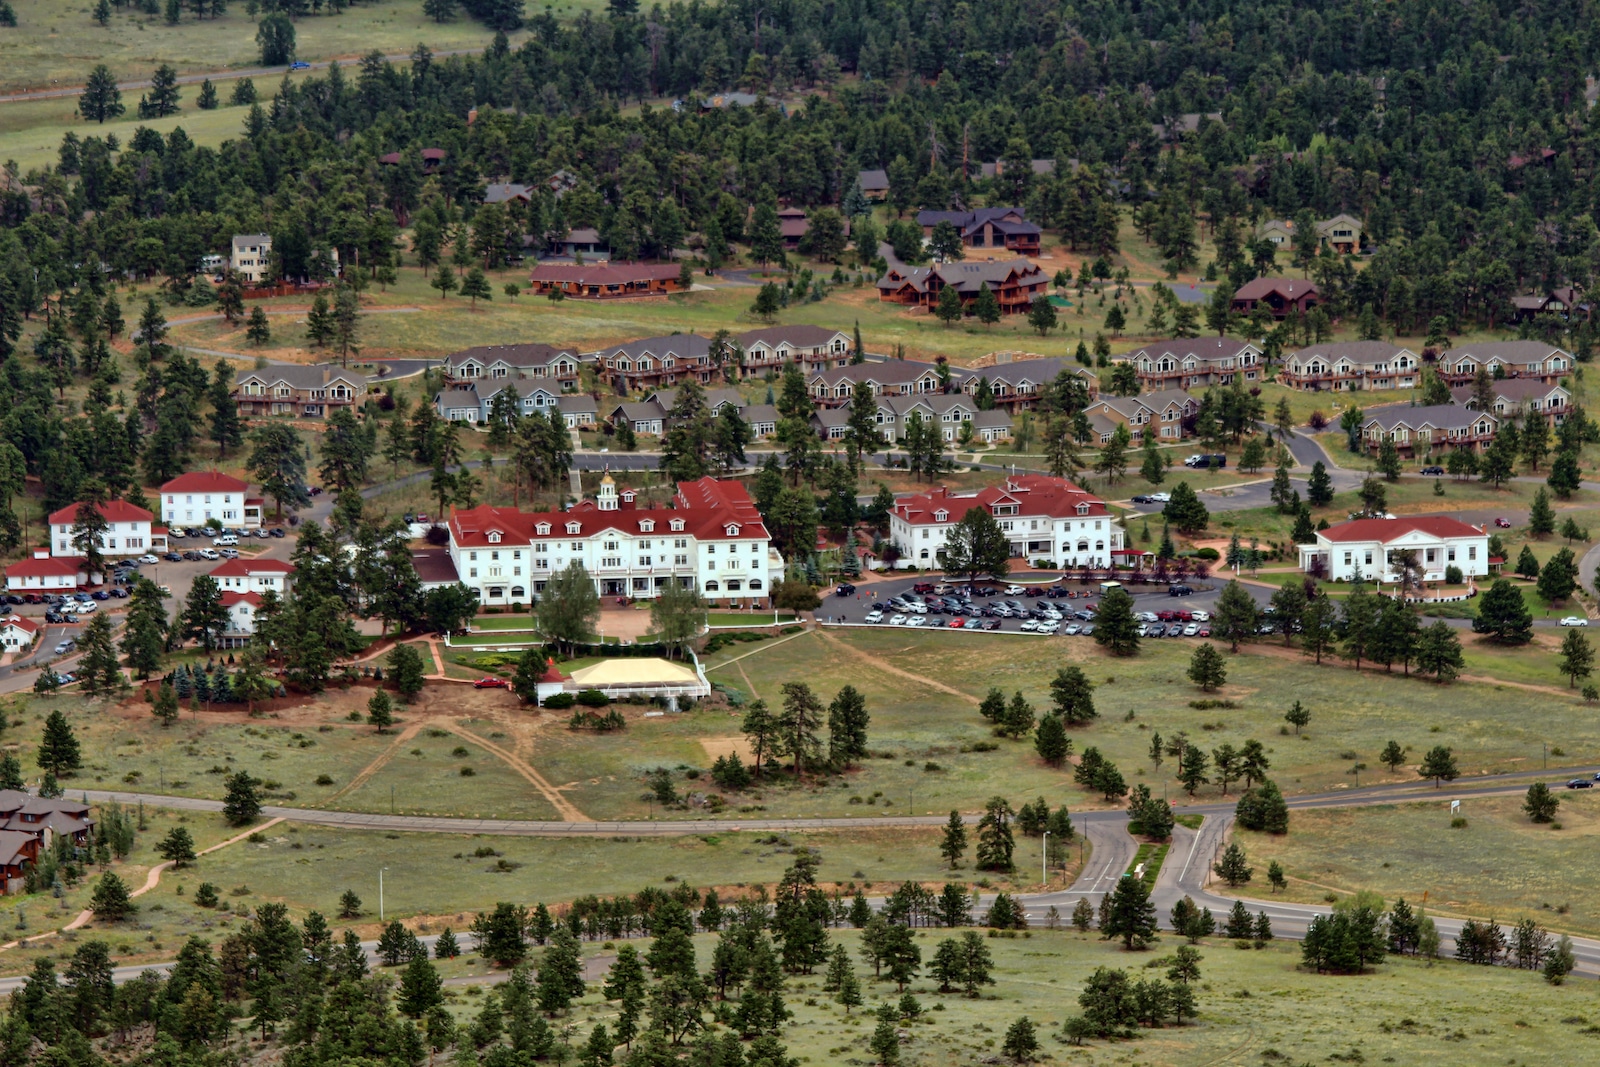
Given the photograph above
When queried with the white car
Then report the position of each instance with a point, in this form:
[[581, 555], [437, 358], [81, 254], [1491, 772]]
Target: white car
[[1574, 620], [897, 620], [1030, 624], [1049, 627], [1192, 629], [175, 532], [874, 616], [916, 620], [1072, 629], [148, 558], [229, 540], [917, 609], [1015, 590], [210, 553], [1160, 498], [1200, 616], [1146, 616], [85, 607]]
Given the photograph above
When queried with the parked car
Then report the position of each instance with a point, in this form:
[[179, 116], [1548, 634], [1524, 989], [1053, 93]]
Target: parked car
[[1574, 620], [54, 616], [1015, 590], [120, 594], [1142, 498], [956, 623], [1200, 616], [1580, 783], [1087, 631], [916, 620], [875, 615], [922, 587], [63, 647], [491, 683], [149, 557], [101, 594], [845, 589], [1436, 472], [172, 557], [86, 607], [1180, 590], [991, 624], [277, 531], [1504, 524], [897, 620], [176, 531], [1165, 498], [226, 540]]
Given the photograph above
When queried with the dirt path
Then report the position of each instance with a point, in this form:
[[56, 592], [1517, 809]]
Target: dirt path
[[748, 682], [412, 729], [151, 880], [889, 668], [438, 661], [563, 806]]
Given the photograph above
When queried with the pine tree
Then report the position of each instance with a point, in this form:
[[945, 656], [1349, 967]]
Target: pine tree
[[258, 331], [110, 901], [58, 749], [954, 843]]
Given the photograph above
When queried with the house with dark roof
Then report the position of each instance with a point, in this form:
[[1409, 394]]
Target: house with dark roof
[[528, 360], [1418, 430], [1188, 122], [644, 416], [892, 377], [1349, 366], [605, 281], [297, 391], [1562, 301], [582, 241], [987, 227], [1507, 359], [1017, 385], [1277, 295], [1166, 413], [1015, 283], [772, 347], [1342, 233], [1385, 550], [1196, 362], [656, 362], [874, 184], [506, 193], [1521, 398]]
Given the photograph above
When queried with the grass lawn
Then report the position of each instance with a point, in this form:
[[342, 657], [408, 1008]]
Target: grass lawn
[[747, 618], [502, 622], [1500, 864], [54, 45], [1353, 715]]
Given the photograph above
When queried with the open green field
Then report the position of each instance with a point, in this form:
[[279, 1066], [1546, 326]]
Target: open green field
[[1352, 713], [56, 45], [1500, 865]]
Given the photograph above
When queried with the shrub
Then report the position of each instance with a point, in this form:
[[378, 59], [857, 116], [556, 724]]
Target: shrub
[[323, 779], [1453, 575], [593, 698], [560, 700], [1210, 555]]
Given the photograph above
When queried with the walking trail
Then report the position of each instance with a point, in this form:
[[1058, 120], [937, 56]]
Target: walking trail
[[152, 880], [564, 807], [889, 668]]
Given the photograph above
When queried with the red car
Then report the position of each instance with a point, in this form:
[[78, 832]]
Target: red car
[[956, 623], [1504, 524], [491, 683]]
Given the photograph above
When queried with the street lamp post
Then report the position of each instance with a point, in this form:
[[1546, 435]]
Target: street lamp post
[[380, 892], [1044, 861]]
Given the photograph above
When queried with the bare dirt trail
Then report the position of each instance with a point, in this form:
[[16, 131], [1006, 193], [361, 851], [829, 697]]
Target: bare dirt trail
[[364, 775], [889, 668], [563, 806]]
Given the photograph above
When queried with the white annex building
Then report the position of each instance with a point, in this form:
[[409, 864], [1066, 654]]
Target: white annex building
[[1046, 518], [1376, 549], [712, 538]]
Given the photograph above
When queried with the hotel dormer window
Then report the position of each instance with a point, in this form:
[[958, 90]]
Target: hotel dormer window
[[542, 529], [574, 527]]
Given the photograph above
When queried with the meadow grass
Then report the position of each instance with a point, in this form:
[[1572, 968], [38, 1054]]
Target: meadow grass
[[1501, 864]]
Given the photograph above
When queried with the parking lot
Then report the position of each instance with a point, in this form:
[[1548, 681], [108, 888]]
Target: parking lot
[[1042, 603]]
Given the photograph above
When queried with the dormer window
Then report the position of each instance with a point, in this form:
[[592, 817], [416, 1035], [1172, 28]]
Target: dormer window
[[1083, 509], [732, 529], [647, 526], [494, 537], [941, 516], [676, 524], [542, 529], [574, 527]]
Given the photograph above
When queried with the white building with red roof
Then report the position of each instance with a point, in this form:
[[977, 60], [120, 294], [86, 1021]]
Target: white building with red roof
[[17, 633], [253, 576], [1382, 549], [241, 609], [1045, 518], [711, 538], [129, 530], [44, 573], [190, 499]]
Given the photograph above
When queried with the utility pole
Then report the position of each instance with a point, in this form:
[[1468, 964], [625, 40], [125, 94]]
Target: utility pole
[[380, 892], [1044, 861]]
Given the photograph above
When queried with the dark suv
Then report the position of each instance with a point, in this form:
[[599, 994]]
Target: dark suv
[[1180, 590]]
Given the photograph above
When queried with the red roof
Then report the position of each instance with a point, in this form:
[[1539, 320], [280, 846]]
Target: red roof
[[1033, 494], [23, 624], [552, 673], [229, 599], [111, 511], [245, 568], [1386, 530], [52, 567], [205, 482], [710, 510]]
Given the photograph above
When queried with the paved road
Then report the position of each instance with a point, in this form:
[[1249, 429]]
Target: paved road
[[220, 75]]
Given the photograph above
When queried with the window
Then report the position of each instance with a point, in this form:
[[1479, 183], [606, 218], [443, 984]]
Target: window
[[711, 550], [644, 561], [1472, 552], [755, 583], [577, 546], [680, 561], [611, 561], [712, 587]]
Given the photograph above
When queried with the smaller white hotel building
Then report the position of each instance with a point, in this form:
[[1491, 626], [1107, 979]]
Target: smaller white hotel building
[[1045, 518], [1368, 549]]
